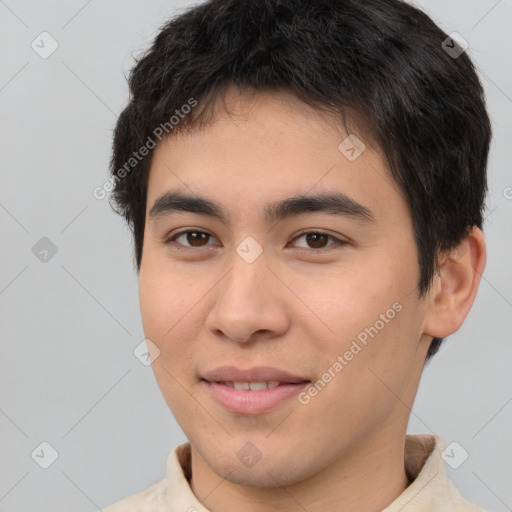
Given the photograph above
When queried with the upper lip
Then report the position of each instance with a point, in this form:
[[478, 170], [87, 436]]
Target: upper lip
[[256, 374]]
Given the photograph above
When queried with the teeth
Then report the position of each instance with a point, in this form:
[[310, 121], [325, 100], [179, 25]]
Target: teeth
[[257, 386], [253, 386], [241, 385]]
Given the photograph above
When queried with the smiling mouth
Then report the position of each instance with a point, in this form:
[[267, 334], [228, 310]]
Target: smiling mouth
[[252, 398]]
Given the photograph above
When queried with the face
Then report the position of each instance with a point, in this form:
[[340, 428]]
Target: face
[[278, 286]]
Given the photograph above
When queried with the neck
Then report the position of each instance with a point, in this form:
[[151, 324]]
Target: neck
[[368, 478]]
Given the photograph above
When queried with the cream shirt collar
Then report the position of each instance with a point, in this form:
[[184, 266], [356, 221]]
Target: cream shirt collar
[[430, 491]]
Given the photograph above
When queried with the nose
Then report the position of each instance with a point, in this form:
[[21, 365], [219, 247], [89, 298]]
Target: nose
[[248, 303]]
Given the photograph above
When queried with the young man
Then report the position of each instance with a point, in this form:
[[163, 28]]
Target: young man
[[305, 182]]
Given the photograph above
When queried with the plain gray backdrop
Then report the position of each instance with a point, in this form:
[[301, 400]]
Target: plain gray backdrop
[[68, 303]]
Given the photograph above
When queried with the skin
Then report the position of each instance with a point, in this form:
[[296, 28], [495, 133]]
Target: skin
[[204, 306]]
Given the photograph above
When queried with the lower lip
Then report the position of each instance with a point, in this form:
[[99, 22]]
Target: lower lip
[[253, 402]]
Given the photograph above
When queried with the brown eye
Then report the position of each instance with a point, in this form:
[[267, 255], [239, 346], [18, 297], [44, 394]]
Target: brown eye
[[191, 238], [316, 240], [196, 238]]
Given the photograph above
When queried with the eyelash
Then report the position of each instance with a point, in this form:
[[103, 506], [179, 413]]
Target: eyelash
[[338, 242]]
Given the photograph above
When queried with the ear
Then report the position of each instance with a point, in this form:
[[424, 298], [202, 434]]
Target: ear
[[455, 285]]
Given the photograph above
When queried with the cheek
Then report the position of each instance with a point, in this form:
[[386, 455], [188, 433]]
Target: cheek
[[369, 314], [165, 295], [161, 303], [172, 301], [339, 302], [167, 302]]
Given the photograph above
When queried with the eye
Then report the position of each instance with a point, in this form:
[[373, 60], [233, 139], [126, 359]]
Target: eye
[[316, 240], [190, 238], [313, 240]]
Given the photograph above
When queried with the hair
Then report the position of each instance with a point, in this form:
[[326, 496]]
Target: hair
[[383, 60]]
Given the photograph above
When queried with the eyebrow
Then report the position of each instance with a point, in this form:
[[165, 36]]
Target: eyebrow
[[335, 203]]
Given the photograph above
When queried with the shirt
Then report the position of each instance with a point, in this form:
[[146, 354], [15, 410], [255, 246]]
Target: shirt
[[430, 490]]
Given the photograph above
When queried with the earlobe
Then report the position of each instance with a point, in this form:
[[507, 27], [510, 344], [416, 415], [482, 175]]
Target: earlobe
[[455, 286]]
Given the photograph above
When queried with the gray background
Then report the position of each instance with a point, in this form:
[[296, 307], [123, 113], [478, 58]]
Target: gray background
[[69, 325]]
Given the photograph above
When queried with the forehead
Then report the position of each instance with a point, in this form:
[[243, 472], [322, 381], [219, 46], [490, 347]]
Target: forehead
[[265, 146]]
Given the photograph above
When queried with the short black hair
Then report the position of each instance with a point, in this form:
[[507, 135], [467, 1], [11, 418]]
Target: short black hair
[[385, 61]]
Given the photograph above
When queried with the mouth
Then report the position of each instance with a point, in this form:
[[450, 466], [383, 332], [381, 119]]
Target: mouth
[[255, 386], [252, 391]]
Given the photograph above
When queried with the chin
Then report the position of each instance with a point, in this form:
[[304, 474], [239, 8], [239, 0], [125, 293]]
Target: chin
[[259, 480], [274, 468], [271, 475]]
